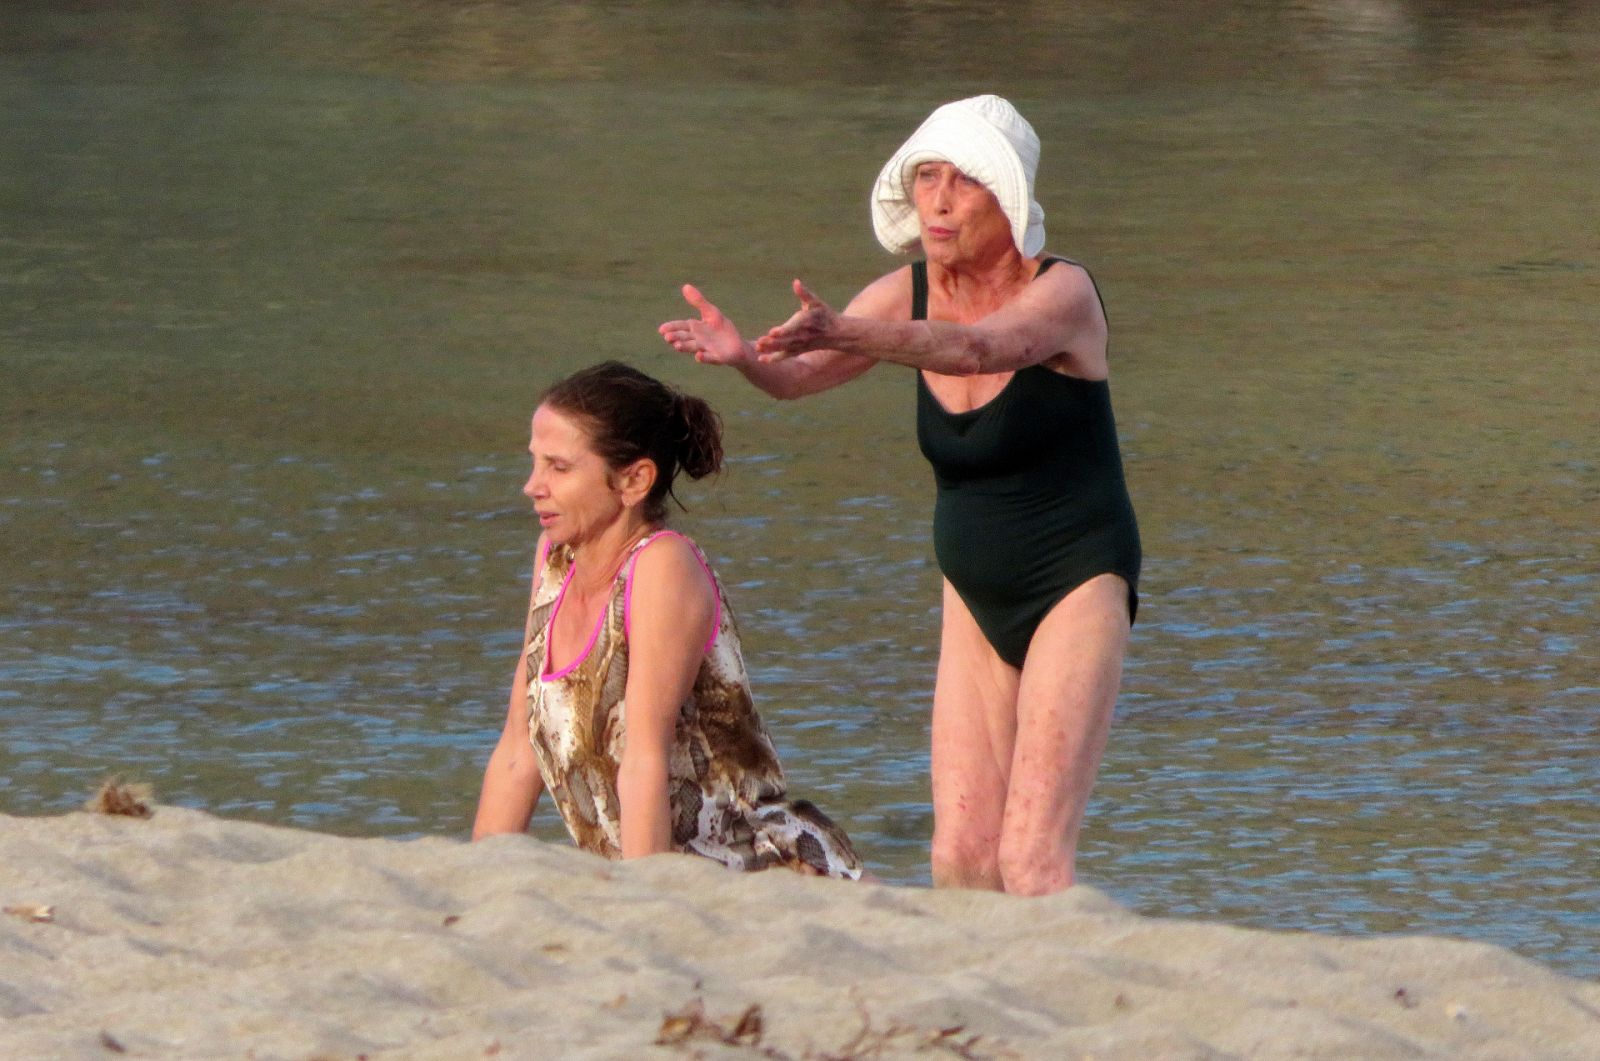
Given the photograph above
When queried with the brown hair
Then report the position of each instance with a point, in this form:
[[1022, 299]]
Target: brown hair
[[631, 416]]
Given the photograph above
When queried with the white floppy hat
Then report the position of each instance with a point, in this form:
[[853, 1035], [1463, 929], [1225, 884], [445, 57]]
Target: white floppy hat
[[985, 138]]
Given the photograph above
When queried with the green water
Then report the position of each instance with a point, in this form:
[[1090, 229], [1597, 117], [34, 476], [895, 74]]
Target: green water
[[279, 282]]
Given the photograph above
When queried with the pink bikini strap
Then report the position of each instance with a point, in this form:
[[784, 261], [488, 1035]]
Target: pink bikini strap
[[627, 598]]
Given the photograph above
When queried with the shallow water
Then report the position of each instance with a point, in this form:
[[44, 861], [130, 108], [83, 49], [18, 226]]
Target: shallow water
[[278, 286]]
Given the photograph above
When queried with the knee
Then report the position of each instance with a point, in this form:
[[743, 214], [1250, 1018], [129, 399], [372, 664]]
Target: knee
[[965, 860], [1029, 869]]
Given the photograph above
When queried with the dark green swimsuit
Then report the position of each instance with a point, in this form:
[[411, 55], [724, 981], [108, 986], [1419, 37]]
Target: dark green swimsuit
[[1031, 501]]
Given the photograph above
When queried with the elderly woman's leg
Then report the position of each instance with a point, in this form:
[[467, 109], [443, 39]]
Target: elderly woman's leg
[[1064, 705], [974, 722]]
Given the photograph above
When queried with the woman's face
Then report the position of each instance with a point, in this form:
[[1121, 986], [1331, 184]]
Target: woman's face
[[573, 491], [961, 219]]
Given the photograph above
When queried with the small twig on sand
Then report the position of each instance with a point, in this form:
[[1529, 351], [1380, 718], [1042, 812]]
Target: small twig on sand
[[691, 1022]]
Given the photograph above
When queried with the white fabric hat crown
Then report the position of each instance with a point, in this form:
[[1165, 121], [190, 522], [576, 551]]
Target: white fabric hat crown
[[985, 138]]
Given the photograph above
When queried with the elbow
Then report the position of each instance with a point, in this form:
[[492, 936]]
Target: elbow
[[641, 776], [975, 357], [984, 354], [783, 390]]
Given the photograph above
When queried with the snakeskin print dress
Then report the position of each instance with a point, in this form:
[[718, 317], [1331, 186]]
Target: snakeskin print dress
[[725, 787]]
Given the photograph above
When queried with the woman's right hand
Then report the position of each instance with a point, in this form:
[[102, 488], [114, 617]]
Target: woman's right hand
[[712, 340]]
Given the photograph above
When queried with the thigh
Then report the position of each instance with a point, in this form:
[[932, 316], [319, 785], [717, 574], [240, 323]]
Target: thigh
[[1064, 704], [974, 725]]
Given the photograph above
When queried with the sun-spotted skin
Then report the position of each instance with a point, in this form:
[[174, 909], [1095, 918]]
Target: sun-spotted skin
[[725, 785]]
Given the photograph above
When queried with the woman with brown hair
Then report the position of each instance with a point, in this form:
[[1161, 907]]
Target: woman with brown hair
[[631, 703]]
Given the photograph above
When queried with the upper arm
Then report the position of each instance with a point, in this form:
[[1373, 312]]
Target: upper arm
[[671, 608], [888, 298], [1057, 318]]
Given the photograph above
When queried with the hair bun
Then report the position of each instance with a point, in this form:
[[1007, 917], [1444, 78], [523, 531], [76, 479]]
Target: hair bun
[[700, 453]]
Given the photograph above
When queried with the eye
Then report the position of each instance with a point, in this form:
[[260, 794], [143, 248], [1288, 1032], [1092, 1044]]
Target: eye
[[970, 182]]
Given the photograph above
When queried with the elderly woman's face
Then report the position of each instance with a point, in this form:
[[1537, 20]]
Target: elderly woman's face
[[961, 218]]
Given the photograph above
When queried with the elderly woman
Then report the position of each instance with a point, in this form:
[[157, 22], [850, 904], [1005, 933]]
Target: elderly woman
[[1033, 528], [631, 702]]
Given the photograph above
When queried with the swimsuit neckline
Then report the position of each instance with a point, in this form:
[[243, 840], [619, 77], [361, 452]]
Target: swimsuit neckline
[[972, 413], [545, 673]]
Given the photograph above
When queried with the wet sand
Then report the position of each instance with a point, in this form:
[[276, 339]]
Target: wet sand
[[186, 935]]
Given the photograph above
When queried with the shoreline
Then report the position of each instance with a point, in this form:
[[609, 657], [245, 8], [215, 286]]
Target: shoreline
[[188, 935]]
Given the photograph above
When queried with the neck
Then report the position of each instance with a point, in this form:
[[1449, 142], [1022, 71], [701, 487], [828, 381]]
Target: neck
[[598, 560], [991, 280]]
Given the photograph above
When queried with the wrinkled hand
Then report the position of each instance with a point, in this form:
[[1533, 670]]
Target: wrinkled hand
[[712, 340], [812, 328]]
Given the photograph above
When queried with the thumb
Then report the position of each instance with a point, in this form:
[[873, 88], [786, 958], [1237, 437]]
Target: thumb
[[803, 293], [692, 295]]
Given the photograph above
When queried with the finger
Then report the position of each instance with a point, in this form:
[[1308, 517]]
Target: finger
[[692, 295], [804, 293]]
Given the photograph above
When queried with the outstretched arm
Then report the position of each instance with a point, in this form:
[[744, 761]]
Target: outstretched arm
[[1058, 313], [713, 339]]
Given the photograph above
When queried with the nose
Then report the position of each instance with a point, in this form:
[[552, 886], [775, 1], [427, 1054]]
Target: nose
[[534, 486]]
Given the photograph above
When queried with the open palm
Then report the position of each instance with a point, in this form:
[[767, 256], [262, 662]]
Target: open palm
[[712, 339]]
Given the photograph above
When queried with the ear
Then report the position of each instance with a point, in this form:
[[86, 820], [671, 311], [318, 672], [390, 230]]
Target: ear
[[636, 480]]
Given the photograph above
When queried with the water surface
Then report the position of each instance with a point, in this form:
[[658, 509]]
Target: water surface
[[278, 286]]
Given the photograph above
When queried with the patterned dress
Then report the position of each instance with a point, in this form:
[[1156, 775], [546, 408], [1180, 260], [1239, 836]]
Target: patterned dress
[[725, 787]]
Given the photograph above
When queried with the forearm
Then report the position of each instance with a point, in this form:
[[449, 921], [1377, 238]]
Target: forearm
[[511, 789], [800, 377], [646, 815], [938, 346]]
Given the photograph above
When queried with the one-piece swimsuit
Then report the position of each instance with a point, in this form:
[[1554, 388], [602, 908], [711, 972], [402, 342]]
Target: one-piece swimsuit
[[1031, 501]]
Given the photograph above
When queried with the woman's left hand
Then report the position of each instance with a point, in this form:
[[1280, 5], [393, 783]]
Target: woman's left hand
[[814, 327]]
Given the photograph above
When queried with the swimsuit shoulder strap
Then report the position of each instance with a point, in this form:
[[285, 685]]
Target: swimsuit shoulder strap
[[919, 291]]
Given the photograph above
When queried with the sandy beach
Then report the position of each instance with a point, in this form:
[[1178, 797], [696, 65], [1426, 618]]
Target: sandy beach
[[185, 935]]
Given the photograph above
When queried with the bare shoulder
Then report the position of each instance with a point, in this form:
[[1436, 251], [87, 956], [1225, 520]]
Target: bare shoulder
[[886, 298], [671, 596], [1066, 292], [670, 566], [1064, 302], [1066, 280]]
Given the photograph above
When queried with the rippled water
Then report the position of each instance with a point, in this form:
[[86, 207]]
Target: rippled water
[[278, 285]]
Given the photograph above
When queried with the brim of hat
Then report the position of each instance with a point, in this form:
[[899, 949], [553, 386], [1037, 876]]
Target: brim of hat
[[977, 149]]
